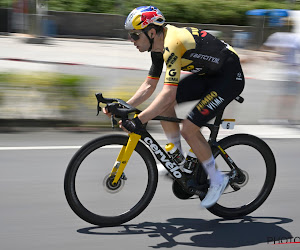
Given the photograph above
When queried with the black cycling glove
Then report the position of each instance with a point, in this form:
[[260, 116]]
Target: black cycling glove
[[135, 125]]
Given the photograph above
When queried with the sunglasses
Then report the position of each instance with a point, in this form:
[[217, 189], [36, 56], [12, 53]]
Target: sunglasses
[[135, 35]]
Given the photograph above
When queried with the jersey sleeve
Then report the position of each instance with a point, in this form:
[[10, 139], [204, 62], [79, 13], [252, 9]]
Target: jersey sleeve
[[173, 52], [173, 68], [157, 65]]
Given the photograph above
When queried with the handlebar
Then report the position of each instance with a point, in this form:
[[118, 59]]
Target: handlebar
[[116, 106]]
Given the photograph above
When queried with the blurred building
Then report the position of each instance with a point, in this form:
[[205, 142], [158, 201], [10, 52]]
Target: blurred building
[[29, 17]]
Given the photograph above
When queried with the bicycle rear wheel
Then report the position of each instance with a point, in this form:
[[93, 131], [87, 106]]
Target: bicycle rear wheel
[[254, 157], [89, 190]]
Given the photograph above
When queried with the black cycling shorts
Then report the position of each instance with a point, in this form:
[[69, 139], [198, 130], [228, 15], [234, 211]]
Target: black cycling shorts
[[214, 92]]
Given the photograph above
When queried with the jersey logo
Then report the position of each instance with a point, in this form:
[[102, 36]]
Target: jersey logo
[[171, 60], [166, 49], [210, 102], [188, 67], [205, 57], [203, 33], [172, 76], [197, 32], [172, 72], [205, 112], [239, 76], [196, 70]]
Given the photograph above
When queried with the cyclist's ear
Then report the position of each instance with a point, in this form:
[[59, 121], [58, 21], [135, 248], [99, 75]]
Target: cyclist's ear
[[152, 32]]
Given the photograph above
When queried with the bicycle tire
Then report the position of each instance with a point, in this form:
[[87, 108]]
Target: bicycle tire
[[97, 146], [268, 180]]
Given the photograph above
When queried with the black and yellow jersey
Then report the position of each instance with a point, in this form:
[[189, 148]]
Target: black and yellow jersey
[[188, 49]]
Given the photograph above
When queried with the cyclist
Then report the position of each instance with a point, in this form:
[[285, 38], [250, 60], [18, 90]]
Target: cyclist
[[216, 79]]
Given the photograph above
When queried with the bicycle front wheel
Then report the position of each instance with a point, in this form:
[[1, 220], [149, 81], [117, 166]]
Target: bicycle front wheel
[[89, 189], [256, 160]]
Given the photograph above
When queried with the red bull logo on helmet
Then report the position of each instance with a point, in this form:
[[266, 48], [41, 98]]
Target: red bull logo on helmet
[[142, 16], [148, 18]]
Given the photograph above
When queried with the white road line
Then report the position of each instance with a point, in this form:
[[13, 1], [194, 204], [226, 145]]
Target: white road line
[[262, 131], [49, 147]]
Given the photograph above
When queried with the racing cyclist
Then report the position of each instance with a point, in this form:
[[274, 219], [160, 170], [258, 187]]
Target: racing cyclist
[[216, 79]]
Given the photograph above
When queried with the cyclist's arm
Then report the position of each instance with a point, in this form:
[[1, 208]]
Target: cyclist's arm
[[149, 85], [144, 92], [165, 99]]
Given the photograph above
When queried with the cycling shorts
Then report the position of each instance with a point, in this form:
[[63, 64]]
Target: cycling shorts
[[214, 92]]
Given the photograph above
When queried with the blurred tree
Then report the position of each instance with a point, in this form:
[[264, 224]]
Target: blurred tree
[[196, 11]]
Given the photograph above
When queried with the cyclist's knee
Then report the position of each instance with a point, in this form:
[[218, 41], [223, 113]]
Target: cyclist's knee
[[188, 129], [170, 111]]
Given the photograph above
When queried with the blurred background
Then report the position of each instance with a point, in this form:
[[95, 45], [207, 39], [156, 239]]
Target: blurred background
[[55, 55]]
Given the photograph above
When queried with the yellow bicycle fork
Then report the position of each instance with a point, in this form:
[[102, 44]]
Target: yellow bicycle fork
[[124, 157]]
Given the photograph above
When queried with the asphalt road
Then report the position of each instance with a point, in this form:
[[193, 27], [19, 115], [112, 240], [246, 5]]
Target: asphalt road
[[34, 213]]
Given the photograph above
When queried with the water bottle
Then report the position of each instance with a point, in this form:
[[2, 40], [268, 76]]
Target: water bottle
[[190, 162], [175, 154]]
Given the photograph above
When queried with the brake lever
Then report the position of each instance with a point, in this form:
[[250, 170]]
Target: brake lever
[[113, 121], [98, 108]]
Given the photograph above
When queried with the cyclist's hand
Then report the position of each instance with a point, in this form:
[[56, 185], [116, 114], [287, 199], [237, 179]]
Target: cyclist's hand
[[135, 125], [105, 111]]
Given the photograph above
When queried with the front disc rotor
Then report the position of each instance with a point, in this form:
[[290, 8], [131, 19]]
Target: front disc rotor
[[111, 187]]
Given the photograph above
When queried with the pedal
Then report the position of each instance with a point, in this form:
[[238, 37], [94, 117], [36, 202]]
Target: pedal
[[235, 187], [201, 194], [197, 192]]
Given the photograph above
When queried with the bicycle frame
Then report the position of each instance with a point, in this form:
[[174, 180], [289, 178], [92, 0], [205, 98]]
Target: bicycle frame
[[157, 150], [214, 130], [164, 158], [161, 155]]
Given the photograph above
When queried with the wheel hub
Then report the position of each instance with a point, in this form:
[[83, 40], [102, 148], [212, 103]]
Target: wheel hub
[[111, 187], [243, 180]]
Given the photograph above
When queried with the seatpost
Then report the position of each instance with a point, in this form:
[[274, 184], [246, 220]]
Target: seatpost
[[215, 128], [218, 119]]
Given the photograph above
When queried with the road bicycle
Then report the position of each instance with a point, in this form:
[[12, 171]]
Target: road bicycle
[[101, 191]]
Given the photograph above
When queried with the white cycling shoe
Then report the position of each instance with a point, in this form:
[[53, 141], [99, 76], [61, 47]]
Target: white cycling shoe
[[214, 193]]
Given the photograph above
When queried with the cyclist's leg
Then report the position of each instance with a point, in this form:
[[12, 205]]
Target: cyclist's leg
[[218, 91], [191, 133], [190, 88], [171, 129], [199, 87]]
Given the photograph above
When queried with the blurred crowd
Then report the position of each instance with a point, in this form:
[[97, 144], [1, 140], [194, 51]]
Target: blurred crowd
[[282, 54], [286, 46]]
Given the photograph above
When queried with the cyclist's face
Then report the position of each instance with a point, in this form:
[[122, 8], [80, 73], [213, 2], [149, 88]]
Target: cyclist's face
[[140, 40]]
